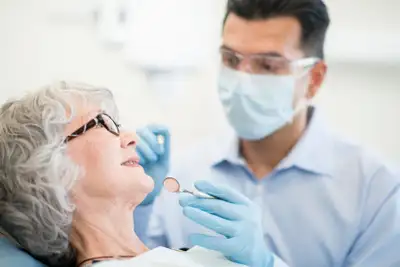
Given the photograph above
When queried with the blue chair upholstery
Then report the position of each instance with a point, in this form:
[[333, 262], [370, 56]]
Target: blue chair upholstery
[[11, 256]]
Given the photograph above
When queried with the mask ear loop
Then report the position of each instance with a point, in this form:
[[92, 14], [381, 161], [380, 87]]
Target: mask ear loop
[[307, 65]]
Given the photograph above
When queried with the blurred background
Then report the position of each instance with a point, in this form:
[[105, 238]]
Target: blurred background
[[160, 59]]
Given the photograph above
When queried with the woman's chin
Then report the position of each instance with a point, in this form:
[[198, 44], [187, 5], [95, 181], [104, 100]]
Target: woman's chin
[[143, 184], [148, 184], [138, 186]]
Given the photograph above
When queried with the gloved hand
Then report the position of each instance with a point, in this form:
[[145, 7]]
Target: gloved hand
[[154, 158], [235, 217]]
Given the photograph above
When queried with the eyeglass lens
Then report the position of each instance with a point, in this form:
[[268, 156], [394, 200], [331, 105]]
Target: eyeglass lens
[[258, 64], [110, 124]]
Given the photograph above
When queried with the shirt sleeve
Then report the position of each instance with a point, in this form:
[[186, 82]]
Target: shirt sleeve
[[378, 243]]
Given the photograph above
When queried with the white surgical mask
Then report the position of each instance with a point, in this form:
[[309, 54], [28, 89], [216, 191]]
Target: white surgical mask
[[257, 105]]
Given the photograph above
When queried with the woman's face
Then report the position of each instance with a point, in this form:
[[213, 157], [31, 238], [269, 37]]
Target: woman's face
[[109, 162]]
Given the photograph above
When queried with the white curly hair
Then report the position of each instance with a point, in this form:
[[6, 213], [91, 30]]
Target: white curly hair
[[35, 170]]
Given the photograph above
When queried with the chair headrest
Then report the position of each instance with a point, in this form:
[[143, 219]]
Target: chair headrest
[[10, 255]]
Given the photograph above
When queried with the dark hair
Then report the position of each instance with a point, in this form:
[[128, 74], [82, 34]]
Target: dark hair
[[312, 15]]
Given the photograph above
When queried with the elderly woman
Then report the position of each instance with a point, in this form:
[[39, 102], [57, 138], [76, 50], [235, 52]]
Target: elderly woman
[[69, 177], [70, 181]]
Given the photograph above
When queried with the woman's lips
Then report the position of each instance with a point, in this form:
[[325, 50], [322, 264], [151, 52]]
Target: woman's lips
[[131, 162]]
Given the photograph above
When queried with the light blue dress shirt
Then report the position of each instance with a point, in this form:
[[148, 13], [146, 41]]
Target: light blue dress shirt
[[329, 203]]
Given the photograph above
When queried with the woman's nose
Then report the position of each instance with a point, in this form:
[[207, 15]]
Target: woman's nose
[[128, 139]]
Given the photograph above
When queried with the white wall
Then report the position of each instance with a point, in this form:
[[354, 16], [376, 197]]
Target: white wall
[[364, 30], [363, 102], [360, 99]]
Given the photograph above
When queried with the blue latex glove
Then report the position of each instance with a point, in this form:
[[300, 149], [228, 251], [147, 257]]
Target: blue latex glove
[[235, 217], [154, 158]]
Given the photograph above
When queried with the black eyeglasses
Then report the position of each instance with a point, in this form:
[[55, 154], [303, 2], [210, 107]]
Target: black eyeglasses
[[101, 120]]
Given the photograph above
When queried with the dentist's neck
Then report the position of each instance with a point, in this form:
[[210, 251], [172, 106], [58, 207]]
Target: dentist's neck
[[264, 155], [108, 232]]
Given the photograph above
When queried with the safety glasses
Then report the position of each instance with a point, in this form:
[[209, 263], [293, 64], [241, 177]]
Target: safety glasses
[[101, 120], [266, 64]]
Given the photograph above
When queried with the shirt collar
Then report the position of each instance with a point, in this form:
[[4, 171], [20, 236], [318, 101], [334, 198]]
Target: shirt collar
[[312, 153]]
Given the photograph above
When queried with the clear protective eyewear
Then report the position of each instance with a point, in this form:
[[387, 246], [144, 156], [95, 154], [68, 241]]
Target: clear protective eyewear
[[266, 64]]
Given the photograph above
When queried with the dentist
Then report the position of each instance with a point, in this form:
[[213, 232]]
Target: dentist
[[288, 189]]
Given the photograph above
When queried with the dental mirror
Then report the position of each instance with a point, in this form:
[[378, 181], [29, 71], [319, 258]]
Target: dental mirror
[[172, 185]]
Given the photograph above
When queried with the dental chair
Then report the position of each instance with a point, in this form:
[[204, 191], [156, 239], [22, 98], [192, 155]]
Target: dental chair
[[11, 256]]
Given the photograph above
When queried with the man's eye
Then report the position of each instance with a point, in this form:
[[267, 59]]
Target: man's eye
[[273, 67], [231, 60], [266, 66]]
